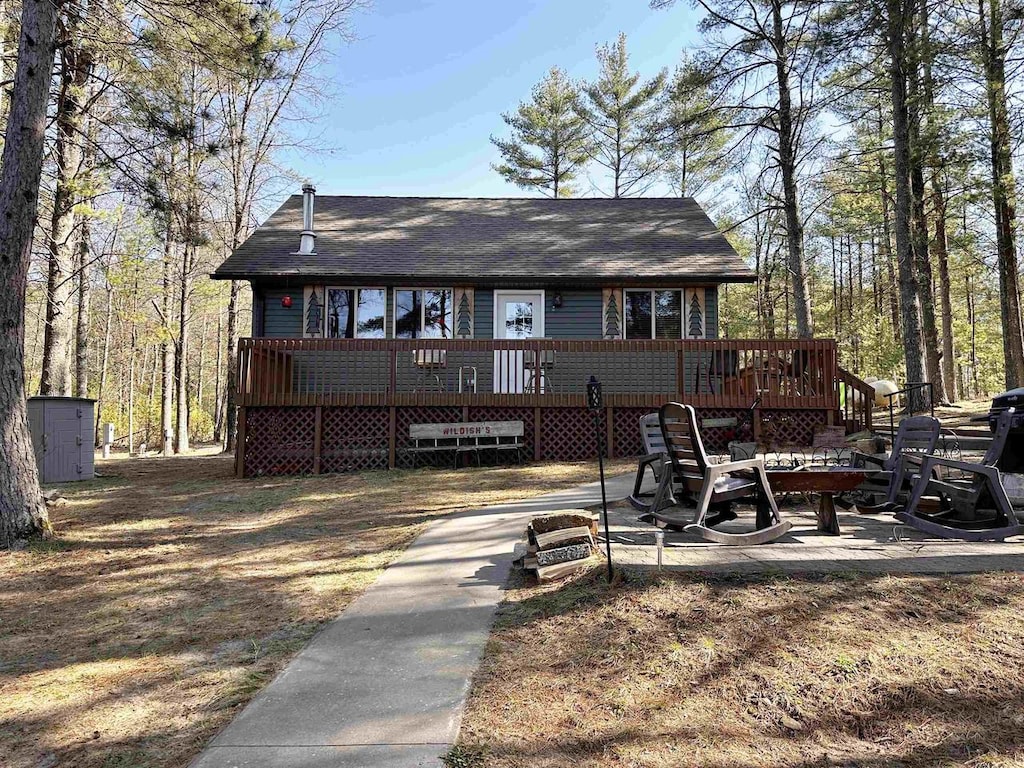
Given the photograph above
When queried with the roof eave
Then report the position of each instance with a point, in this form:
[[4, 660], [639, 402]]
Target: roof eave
[[489, 280]]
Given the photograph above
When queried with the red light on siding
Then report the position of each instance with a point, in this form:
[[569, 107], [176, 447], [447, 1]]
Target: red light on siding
[[286, 302]]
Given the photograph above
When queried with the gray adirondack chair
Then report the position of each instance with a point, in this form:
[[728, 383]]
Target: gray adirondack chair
[[655, 457], [710, 488], [974, 507], [916, 437]]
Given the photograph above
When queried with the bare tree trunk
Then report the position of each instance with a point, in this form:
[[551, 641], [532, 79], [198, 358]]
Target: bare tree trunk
[[899, 17], [916, 104], [202, 361], [101, 392], [167, 347], [75, 70], [131, 390], [218, 398], [82, 321], [22, 512], [787, 164], [57, 333], [182, 437], [230, 412], [1003, 191], [941, 252], [151, 407], [971, 316], [894, 304]]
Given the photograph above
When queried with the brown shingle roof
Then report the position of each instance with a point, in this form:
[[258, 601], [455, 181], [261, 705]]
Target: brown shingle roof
[[492, 242]]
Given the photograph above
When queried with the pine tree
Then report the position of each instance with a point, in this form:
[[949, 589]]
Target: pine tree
[[696, 148], [549, 139], [626, 120]]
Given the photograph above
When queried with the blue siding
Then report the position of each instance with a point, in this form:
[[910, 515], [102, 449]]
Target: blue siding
[[483, 313], [711, 311], [279, 321], [579, 317]]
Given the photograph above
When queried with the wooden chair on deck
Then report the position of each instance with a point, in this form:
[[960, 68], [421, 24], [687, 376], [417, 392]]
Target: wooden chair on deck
[[973, 506], [711, 488]]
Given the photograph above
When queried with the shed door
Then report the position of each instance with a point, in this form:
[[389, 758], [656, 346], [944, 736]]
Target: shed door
[[62, 460]]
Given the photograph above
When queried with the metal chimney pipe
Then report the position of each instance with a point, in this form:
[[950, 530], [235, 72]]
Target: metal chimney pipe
[[307, 240]]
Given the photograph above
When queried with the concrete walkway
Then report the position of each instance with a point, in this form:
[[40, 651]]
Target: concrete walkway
[[385, 683]]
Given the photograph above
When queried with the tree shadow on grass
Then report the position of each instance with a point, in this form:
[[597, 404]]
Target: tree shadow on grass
[[175, 591], [693, 669]]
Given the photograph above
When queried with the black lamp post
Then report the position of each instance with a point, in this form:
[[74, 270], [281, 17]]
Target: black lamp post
[[594, 404]]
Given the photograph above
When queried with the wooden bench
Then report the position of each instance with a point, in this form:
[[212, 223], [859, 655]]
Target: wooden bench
[[472, 438]]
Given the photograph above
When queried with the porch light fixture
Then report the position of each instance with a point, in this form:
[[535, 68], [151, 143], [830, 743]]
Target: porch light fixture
[[556, 300], [595, 403], [286, 302]]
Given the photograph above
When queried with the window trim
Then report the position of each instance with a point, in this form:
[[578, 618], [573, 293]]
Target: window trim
[[355, 324], [423, 309]]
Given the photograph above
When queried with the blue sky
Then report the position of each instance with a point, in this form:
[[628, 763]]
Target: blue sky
[[412, 101]]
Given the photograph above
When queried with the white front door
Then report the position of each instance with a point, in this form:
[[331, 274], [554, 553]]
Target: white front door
[[517, 315]]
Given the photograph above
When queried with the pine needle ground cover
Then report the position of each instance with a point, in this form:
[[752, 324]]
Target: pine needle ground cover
[[865, 671], [174, 592]]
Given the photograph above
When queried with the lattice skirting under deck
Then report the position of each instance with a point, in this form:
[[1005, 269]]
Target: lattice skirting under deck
[[282, 440], [354, 439], [279, 441]]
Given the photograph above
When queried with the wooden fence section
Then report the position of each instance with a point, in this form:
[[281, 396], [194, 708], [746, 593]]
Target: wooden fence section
[[316, 405], [718, 373]]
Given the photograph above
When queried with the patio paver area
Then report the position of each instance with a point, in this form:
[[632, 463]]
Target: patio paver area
[[869, 543]]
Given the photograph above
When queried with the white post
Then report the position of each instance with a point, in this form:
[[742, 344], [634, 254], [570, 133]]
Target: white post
[[108, 439]]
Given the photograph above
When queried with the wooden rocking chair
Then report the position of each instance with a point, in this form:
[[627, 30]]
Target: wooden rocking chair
[[710, 487], [975, 508], [916, 437], [655, 457]]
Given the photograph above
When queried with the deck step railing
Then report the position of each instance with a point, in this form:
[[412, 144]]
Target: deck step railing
[[856, 401]]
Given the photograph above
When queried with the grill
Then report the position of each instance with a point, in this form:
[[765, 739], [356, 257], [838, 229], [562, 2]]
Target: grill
[[1012, 459]]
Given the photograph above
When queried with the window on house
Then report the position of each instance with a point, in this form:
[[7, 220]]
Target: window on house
[[355, 313], [639, 321], [651, 314], [423, 314]]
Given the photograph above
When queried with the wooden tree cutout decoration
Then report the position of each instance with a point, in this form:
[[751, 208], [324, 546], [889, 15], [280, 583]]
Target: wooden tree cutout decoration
[[611, 318], [314, 315], [464, 326], [696, 329]]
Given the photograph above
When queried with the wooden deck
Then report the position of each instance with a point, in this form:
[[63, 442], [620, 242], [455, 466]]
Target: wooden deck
[[312, 405]]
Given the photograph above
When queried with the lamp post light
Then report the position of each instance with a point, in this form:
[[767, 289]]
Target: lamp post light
[[594, 405]]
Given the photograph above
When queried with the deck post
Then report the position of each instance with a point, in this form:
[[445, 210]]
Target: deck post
[[392, 436], [318, 435], [240, 444], [609, 425]]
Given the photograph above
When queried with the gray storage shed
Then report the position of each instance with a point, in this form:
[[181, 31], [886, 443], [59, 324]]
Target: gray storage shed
[[62, 437]]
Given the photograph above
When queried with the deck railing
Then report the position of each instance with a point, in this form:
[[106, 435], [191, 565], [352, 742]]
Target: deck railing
[[718, 373], [856, 401]]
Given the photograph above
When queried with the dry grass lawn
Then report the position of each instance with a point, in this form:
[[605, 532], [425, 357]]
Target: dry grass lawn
[[174, 592], [865, 671]]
